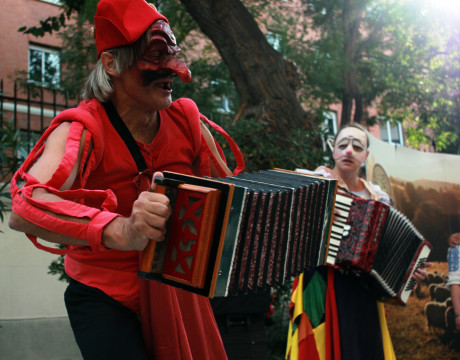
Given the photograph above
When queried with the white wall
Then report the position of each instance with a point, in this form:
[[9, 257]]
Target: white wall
[[27, 291]]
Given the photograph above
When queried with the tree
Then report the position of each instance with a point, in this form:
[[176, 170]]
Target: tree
[[431, 100], [357, 52], [12, 154], [385, 53], [260, 73]]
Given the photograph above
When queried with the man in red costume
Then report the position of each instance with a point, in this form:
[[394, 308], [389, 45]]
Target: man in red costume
[[87, 185]]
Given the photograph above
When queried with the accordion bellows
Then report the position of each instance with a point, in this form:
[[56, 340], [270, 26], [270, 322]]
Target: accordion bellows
[[267, 227]]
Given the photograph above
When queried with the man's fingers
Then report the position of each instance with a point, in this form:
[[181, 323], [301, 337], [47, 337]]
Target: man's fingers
[[155, 187]]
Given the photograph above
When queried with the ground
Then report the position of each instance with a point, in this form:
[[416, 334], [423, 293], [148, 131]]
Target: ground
[[412, 340]]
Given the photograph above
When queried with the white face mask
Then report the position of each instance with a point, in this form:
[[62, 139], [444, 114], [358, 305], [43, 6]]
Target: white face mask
[[352, 144], [356, 145]]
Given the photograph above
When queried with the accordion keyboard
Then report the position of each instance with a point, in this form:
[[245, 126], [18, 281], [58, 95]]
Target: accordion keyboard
[[339, 227], [411, 282]]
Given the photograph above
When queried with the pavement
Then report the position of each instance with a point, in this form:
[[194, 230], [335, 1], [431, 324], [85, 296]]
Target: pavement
[[38, 339]]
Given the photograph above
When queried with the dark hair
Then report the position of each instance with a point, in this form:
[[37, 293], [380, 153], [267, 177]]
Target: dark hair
[[356, 126]]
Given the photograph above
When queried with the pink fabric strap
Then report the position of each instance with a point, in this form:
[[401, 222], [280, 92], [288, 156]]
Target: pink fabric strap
[[41, 213], [235, 149]]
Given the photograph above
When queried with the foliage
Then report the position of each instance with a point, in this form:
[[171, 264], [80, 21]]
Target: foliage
[[57, 268], [77, 56], [12, 154], [429, 105], [85, 8], [404, 58], [261, 149], [277, 332]]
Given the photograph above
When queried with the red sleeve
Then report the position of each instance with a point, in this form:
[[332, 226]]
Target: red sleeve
[[41, 212]]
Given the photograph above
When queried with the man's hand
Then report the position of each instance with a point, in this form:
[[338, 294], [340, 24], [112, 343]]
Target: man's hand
[[148, 220]]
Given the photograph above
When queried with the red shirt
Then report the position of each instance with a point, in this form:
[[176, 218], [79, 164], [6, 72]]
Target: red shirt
[[176, 145]]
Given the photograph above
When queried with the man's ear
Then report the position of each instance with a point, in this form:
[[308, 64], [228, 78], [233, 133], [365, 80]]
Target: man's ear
[[108, 61]]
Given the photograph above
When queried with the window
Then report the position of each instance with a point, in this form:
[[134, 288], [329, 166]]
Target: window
[[391, 132], [44, 65], [223, 100], [274, 40], [330, 123], [329, 127]]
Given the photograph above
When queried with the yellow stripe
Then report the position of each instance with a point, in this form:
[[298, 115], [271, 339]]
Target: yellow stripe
[[292, 348], [297, 298], [386, 339], [320, 340]]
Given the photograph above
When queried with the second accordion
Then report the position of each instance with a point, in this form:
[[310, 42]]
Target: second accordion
[[239, 234]]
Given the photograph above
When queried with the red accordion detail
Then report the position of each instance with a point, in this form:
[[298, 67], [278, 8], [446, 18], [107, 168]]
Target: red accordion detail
[[191, 233], [367, 220]]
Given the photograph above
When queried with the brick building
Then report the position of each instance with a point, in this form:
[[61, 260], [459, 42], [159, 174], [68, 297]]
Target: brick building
[[34, 59], [15, 46], [39, 56]]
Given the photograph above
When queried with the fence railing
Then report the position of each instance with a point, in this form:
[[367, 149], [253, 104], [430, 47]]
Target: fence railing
[[32, 108]]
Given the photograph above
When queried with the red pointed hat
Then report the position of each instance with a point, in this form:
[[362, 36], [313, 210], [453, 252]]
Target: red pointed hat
[[122, 22]]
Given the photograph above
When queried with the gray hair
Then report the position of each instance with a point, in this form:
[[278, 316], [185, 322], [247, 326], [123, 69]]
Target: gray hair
[[99, 84]]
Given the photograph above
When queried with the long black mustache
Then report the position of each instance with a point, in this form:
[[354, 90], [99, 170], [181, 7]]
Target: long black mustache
[[147, 77]]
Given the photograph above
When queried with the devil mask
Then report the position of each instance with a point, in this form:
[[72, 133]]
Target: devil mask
[[159, 60]]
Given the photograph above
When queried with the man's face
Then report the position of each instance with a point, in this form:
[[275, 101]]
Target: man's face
[[350, 149], [159, 60]]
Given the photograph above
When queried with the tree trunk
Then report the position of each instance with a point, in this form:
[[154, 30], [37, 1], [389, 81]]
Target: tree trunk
[[260, 73], [347, 105], [359, 108], [351, 23]]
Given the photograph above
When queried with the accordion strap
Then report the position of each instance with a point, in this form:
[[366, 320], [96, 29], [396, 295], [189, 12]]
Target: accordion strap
[[125, 135], [233, 147]]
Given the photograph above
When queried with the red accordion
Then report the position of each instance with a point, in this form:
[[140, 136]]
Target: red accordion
[[379, 243], [238, 234]]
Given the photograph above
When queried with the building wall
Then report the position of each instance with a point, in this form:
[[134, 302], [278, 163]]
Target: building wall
[[27, 291]]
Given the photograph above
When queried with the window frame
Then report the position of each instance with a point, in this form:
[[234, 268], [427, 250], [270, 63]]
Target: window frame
[[388, 127], [329, 116], [44, 50]]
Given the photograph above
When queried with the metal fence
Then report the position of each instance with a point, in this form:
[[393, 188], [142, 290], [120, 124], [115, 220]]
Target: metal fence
[[31, 108]]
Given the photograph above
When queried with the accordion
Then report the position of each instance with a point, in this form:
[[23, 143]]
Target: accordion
[[379, 243], [238, 234]]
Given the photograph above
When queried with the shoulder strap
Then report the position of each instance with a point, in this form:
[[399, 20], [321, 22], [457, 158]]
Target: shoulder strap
[[125, 135], [235, 149], [195, 119]]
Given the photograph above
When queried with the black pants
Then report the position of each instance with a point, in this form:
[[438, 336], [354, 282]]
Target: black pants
[[243, 336], [103, 328], [241, 323]]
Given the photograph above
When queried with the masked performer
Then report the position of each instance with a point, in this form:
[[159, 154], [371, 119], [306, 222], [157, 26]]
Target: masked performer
[[87, 185], [333, 316]]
